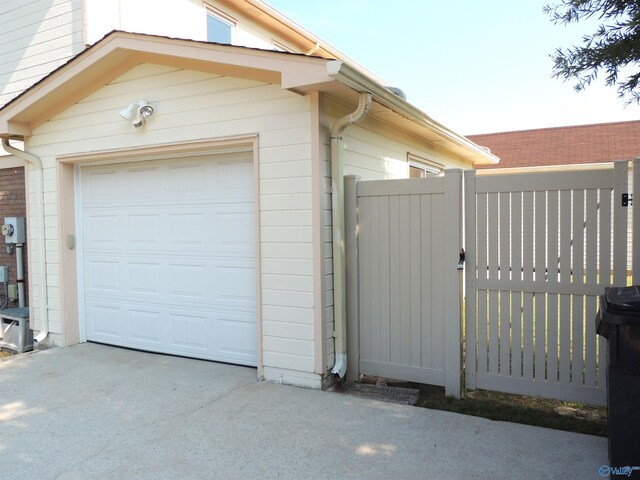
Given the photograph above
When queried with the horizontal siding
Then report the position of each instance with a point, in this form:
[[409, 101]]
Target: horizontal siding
[[36, 37], [374, 151], [195, 106]]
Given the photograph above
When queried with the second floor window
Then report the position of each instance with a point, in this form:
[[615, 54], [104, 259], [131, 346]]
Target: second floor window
[[219, 28]]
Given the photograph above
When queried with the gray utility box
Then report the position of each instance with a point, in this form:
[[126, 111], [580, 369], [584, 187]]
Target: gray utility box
[[15, 331]]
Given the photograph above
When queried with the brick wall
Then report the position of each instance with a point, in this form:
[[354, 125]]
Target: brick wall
[[604, 142], [12, 204]]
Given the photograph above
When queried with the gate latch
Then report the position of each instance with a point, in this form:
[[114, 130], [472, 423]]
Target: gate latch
[[461, 260]]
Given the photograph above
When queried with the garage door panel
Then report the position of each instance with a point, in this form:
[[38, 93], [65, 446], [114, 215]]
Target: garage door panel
[[142, 229], [144, 278], [236, 338], [190, 229], [104, 320], [188, 281], [169, 257], [167, 279], [146, 326], [189, 331], [103, 275], [102, 229]]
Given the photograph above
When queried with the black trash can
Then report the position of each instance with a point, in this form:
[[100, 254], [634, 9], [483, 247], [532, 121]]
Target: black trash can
[[618, 320]]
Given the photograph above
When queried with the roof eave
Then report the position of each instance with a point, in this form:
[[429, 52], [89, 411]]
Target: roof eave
[[359, 82]]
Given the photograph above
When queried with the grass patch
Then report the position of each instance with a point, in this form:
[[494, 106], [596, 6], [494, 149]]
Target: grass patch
[[540, 412], [5, 354]]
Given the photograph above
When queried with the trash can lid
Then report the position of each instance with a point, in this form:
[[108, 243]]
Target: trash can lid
[[623, 298]]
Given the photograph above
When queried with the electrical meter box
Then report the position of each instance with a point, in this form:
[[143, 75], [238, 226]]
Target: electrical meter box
[[4, 274], [13, 230]]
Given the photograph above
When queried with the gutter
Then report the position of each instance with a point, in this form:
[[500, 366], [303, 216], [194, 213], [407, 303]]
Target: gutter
[[337, 215], [36, 163], [351, 77]]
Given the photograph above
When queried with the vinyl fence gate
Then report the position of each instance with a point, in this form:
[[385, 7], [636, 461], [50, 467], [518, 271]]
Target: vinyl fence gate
[[402, 238], [540, 249]]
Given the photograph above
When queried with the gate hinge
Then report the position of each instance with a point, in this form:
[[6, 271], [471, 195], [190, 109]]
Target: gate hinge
[[461, 260], [627, 199]]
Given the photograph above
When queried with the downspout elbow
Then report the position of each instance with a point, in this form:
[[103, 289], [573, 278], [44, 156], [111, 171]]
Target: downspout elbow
[[340, 125], [337, 211], [36, 163]]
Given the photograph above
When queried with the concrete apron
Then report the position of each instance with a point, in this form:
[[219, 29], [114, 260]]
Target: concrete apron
[[93, 411]]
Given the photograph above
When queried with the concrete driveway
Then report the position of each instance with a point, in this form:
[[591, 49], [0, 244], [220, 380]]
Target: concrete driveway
[[98, 412]]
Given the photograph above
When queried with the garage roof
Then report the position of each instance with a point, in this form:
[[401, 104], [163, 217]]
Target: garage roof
[[120, 51]]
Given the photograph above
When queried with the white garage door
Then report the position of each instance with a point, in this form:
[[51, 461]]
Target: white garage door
[[168, 257]]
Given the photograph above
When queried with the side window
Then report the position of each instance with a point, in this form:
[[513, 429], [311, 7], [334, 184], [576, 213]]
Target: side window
[[219, 27], [420, 167]]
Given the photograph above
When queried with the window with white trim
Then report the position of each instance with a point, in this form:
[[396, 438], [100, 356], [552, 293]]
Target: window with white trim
[[420, 167], [220, 27]]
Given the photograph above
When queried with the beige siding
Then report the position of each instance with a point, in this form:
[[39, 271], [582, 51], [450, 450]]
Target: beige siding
[[35, 38], [194, 106]]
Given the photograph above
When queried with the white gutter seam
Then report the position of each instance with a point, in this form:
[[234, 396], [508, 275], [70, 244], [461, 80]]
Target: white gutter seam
[[337, 214], [36, 163]]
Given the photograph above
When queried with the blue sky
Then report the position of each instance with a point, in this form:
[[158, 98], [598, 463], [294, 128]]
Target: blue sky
[[474, 66]]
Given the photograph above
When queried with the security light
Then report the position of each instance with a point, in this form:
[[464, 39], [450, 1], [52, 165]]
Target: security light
[[137, 112]]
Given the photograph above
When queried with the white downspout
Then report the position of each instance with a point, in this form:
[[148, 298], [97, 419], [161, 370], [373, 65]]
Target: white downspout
[[337, 214], [36, 163]]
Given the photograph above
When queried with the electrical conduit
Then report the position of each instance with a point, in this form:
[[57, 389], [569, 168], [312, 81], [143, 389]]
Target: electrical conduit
[[36, 163], [337, 213]]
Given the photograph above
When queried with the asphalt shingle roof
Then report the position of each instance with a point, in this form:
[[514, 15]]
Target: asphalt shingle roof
[[603, 142]]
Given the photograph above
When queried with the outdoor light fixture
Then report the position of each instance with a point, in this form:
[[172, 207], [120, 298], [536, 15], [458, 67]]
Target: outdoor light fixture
[[137, 112]]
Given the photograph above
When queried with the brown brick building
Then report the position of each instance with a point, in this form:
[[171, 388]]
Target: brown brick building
[[580, 144], [12, 204]]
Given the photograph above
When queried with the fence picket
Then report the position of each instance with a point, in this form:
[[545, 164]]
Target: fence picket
[[527, 275], [494, 337], [481, 252], [577, 310], [379, 276], [539, 276], [403, 340], [415, 283], [591, 276], [505, 274], [565, 277], [426, 273], [367, 303], [516, 273], [389, 337], [438, 242], [552, 274]]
